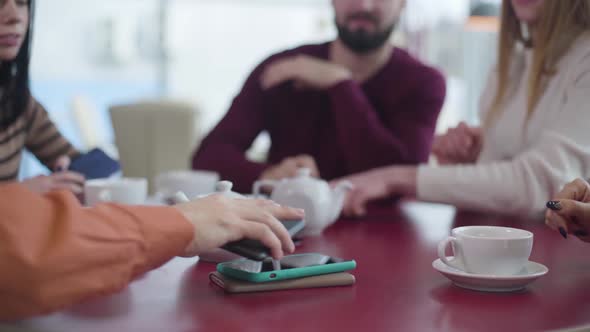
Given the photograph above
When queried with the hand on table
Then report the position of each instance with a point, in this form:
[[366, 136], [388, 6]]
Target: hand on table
[[378, 184], [460, 145]]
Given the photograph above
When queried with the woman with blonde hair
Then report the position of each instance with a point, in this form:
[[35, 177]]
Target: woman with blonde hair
[[536, 118]]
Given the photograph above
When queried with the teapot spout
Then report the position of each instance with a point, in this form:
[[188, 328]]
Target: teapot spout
[[338, 196]]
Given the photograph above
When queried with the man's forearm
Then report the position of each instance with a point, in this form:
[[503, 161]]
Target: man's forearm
[[55, 252]]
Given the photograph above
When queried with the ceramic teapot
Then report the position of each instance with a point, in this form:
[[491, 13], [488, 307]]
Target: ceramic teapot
[[321, 203]]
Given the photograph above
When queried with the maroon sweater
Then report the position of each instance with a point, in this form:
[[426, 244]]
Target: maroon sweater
[[349, 128]]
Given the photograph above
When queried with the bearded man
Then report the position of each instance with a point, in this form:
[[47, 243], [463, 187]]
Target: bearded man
[[336, 108]]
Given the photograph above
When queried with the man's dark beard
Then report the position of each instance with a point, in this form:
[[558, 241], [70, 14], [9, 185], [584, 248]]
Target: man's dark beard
[[360, 41]]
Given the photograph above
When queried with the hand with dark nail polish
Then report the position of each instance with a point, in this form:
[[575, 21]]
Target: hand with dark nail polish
[[569, 211], [554, 205], [563, 232]]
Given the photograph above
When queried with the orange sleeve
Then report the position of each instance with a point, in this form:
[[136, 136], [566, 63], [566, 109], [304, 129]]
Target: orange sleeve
[[54, 252]]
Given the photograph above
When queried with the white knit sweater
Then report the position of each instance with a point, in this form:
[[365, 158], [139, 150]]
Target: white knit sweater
[[521, 167]]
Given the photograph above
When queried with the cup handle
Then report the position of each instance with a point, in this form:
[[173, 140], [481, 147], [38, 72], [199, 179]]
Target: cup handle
[[260, 184], [442, 248], [105, 196]]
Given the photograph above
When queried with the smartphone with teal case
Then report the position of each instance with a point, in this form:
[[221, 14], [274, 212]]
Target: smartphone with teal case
[[292, 267]]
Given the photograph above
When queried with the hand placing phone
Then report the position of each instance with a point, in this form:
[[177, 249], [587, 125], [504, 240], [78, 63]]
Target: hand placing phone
[[219, 220], [60, 180]]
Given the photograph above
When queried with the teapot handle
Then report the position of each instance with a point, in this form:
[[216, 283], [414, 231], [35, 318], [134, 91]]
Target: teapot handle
[[262, 183]]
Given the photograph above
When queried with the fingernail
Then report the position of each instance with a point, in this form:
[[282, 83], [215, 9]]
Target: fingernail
[[581, 233], [563, 232], [301, 211], [554, 205]]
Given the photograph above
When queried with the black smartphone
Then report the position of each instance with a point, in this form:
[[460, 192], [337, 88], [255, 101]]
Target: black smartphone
[[255, 250]]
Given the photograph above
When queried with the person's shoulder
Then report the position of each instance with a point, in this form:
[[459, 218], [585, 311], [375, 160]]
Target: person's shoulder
[[580, 50], [576, 62], [415, 70], [33, 107], [403, 59], [33, 112]]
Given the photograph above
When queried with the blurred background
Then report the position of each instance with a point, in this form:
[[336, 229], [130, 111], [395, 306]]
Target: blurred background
[[89, 56]]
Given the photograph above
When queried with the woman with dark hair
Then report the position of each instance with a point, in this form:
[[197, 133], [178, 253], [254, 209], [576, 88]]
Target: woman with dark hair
[[534, 137], [24, 123]]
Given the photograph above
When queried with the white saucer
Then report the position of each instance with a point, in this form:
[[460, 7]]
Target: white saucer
[[492, 283]]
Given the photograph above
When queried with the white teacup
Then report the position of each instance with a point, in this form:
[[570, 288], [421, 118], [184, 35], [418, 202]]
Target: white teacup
[[124, 191], [191, 183], [488, 250]]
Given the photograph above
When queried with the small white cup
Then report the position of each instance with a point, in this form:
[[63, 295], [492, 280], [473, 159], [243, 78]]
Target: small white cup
[[489, 250], [131, 191], [191, 183]]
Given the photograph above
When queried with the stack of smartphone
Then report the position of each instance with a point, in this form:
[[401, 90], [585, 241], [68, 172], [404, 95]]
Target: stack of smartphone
[[257, 271]]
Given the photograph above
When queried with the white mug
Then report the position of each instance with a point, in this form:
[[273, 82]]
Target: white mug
[[131, 191], [191, 183], [489, 250]]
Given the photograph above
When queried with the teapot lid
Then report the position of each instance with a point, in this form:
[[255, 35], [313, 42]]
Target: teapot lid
[[304, 172], [225, 188]]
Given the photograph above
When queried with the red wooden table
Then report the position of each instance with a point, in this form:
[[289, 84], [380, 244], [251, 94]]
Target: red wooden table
[[397, 289]]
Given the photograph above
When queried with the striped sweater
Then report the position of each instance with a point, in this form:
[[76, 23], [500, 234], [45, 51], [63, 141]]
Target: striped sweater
[[34, 131]]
